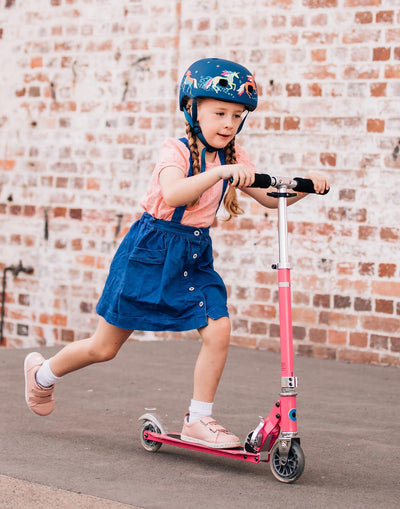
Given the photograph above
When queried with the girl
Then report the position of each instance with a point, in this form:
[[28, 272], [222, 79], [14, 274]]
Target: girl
[[162, 276]]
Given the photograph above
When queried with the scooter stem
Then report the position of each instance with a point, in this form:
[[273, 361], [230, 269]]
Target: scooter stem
[[285, 312], [288, 422]]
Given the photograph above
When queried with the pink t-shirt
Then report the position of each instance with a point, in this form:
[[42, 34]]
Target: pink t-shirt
[[175, 153]]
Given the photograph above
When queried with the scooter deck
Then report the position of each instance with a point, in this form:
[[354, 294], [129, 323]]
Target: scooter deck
[[175, 439]]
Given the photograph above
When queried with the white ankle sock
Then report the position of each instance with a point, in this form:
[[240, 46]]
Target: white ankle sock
[[199, 409], [44, 376]]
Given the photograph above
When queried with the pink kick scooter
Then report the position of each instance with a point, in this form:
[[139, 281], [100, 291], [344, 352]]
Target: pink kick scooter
[[275, 439]]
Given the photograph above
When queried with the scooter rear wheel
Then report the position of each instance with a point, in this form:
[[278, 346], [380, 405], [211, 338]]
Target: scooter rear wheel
[[149, 445], [293, 468]]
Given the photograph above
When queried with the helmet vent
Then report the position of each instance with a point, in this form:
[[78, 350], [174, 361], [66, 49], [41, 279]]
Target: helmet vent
[[223, 82], [250, 89]]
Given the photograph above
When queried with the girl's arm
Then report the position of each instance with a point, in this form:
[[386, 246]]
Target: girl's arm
[[320, 182], [179, 190]]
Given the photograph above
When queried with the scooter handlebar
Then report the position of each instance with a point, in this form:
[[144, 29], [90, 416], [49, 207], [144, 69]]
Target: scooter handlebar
[[263, 181]]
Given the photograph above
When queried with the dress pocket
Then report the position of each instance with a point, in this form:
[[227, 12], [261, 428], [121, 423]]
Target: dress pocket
[[151, 256], [143, 277]]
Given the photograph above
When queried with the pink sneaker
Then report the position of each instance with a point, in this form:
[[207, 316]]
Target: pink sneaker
[[39, 399], [206, 431]]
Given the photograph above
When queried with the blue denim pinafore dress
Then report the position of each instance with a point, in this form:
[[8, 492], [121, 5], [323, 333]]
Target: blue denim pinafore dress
[[162, 276]]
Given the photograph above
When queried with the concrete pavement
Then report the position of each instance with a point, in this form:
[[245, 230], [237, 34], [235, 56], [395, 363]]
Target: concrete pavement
[[88, 454]]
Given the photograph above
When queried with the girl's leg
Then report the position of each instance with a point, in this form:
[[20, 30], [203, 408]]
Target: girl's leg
[[102, 346], [200, 427], [211, 359]]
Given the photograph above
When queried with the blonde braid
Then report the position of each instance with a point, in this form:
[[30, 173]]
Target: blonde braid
[[194, 156], [231, 202]]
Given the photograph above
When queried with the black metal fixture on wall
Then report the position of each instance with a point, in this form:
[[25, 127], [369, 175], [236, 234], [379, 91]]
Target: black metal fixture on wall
[[15, 271]]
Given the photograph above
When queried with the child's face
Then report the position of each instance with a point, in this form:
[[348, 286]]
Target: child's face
[[219, 120]]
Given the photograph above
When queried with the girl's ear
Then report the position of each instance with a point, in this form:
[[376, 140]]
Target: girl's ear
[[188, 105]]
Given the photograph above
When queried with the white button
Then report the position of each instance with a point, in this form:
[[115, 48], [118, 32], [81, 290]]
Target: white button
[[195, 256], [185, 274], [201, 303], [197, 233], [191, 289]]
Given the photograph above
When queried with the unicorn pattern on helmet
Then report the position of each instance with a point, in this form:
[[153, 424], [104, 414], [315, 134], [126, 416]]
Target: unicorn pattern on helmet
[[249, 86], [189, 81], [225, 80]]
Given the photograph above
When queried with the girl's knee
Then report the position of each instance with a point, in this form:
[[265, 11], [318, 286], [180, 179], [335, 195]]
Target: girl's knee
[[217, 333], [102, 353]]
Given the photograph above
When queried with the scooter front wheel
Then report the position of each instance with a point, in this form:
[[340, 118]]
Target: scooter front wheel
[[290, 470], [149, 445]]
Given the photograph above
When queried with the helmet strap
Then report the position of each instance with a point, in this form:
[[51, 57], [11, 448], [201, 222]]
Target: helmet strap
[[242, 122], [194, 124]]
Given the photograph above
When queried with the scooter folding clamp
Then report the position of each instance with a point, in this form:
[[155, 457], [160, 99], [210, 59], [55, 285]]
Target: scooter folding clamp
[[289, 382]]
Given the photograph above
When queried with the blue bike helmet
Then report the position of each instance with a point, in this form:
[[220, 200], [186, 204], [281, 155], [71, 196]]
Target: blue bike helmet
[[219, 79]]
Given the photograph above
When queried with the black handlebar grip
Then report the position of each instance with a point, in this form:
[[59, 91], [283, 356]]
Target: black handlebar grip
[[261, 180], [306, 186]]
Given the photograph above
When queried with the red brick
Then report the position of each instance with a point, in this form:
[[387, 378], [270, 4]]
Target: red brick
[[384, 306], [378, 89], [361, 304], [360, 356], [375, 125], [318, 55], [293, 90], [36, 62], [385, 17], [381, 54], [323, 301], [274, 330], [377, 323], [318, 335], [259, 328], [358, 339], [320, 4], [379, 342], [386, 288], [272, 345], [363, 17], [390, 234], [363, 3], [244, 341], [341, 301], [67, 335], [7, 164], [395, 344], [299, 333], [75, 213], [318, 351], [343, 320], [367, 232], [336, 337], [392, 72], [315, 89], [386, 270], [291, 123], [328, 159], [260, 311]]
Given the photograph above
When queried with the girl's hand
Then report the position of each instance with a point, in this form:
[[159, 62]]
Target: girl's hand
[[321, 183], [242, 175]]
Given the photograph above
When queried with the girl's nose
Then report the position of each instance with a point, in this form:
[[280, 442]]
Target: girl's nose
[[228, 121]]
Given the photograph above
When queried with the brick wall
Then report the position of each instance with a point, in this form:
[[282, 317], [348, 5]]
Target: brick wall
[[88, 94]]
